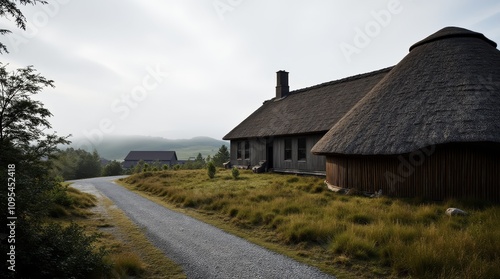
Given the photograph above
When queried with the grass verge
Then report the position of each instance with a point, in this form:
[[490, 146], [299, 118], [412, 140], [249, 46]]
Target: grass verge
[[130, 254], [347, 236]]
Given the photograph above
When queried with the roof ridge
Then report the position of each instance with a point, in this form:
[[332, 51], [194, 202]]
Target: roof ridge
[[346, 79], [452, 32]]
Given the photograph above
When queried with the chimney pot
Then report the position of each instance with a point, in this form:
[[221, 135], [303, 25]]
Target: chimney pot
[[282, 88]]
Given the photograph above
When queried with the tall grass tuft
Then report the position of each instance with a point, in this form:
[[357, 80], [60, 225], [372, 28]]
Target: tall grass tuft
[[127, 265]]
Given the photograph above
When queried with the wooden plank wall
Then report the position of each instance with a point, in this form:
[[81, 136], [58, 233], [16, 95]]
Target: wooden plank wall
[[313, 162], [257, 152], [453, 170]]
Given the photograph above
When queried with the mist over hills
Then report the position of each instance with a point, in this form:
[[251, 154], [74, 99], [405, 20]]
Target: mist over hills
[[117, 147]]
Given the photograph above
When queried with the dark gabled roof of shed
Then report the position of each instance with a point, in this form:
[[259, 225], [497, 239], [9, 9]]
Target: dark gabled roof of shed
[[151, 156], [309, 110], [447, 89]]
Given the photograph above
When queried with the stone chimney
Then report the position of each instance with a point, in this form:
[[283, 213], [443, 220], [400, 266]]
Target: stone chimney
[[282, 88]]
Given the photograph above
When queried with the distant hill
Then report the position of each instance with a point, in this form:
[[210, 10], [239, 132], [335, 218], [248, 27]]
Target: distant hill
[[117, 147]]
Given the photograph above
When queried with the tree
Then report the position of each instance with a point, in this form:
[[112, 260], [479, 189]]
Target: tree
[[199, 158], [221, 157], [113, 168], [89, 165], [199, 162], [235, 173], [76, 164], [23, 142], [21, 118], [211, 170], [9, 9], [137, 168], [24, 149]]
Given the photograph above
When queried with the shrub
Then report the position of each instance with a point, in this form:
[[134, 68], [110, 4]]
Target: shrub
[[211, 170], [235, 173], [60, 196], [113, 168], [61, 252], [58, 211]]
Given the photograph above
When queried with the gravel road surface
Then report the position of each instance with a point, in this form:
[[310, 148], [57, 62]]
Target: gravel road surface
[[201, 249]]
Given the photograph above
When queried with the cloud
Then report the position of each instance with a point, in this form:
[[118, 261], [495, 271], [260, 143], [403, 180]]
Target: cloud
[[220, 70]]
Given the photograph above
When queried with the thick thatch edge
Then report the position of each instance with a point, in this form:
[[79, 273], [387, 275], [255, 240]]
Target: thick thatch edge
[[452, 32]]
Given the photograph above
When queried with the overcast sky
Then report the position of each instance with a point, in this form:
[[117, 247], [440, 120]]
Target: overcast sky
[[186, 68]]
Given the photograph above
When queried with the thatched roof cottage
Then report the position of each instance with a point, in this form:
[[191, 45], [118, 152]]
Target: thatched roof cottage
[[285, 128], [430, 127]]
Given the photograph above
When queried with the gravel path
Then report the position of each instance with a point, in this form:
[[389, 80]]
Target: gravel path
[[201, 249]]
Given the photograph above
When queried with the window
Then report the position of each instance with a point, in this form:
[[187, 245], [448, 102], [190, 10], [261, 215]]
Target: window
[[247, 149], [301, 150], [243, 149], [238, 150], [288, 149]]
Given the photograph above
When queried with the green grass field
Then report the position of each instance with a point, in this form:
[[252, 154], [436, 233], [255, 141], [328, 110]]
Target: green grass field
[[348, 236]]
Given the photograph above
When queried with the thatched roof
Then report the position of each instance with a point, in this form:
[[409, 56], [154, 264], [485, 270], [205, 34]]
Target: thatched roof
[[447, 89], [310, 110]]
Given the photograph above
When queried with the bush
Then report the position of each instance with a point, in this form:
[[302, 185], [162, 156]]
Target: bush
[[60, 196], [235, 172], [61, 252], [113, 168], [211, 170]]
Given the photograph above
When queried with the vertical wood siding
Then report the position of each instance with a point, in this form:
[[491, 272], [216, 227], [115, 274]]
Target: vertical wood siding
[[446, 171]]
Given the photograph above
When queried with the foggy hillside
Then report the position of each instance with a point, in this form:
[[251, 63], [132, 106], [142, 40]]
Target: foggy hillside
[[117, 147]]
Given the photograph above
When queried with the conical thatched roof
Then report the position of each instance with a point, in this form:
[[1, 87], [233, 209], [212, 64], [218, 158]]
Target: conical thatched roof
[[447, 89], [310, 110]]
